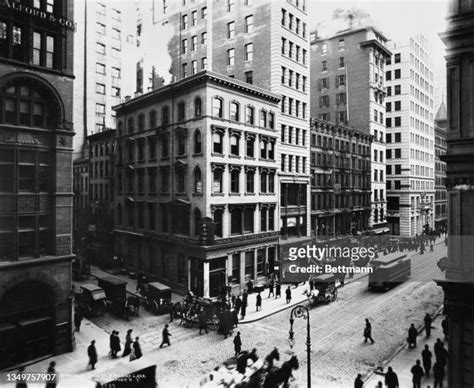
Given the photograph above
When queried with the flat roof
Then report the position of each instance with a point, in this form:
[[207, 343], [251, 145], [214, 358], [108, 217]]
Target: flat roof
[[348, 31]]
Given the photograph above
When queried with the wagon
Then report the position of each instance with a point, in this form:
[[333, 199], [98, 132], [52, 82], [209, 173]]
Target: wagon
[[325, 290], [116, 292], [92, 300], [158, 298]]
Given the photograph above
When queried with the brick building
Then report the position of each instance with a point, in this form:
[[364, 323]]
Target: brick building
[[458, 283], [441, 194], [410, 138], [340, 179], [260, 42], [348, 88], [196, 191], [36, 131], [101, 198]]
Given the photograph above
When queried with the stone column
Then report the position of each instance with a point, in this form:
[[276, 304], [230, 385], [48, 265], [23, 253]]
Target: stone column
[[205, 280]]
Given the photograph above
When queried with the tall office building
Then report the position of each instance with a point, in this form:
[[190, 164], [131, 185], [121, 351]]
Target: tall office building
[[36, 139], [104, 41], [348, 87], [458, 284], [410, 138], [441, 194], [260, 42]]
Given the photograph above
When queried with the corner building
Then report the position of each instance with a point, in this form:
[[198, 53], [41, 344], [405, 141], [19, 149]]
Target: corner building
[[260, 42], [196, 184], [348, 88], [36, 132]]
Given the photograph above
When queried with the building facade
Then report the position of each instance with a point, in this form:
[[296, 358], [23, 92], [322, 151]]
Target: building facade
[[196, 184], [348, 88], [340, 179], [101, 198], [36, 133], [80, 226], [260, 42], [104, 42], [441, 194], [410, 138], [458, 283]]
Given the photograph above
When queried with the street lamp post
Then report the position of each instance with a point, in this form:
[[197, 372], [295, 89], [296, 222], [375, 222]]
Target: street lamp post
[[301, 311]]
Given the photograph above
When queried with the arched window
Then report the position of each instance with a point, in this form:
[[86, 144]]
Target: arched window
[[29, 105], [197, 220], [165, 115], [263, 119], [197, 142], [152, 119], [141, 122], [130, 125], [197, 180], [250, 115], [234, 111], [218, 107], [197, 107], [271, 120], [120, 128]]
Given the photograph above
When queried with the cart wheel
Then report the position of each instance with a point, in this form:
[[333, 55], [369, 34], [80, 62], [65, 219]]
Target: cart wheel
[[334, 294]]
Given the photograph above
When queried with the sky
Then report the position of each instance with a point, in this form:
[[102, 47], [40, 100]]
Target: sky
[[398, 20]]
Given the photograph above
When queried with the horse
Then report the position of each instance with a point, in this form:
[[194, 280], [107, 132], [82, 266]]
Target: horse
[[273, 355], [278, 376]]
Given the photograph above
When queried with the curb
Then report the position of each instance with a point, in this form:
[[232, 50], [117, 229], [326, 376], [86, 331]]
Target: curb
[[385, 362]]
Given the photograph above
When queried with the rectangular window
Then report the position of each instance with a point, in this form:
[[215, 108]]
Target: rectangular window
[[99, 48], [36, 48], [249, 77], [184, 46], [115, 72], [116, 33], [249, 24], [100, 88], [184, 22], [115, 91], [194, 43], [193, 67], [231, 30], [204, 63], [397, 74], [341, 62], [100, 68], [115, 52], [204, 38], [230, 57], [249, 52]]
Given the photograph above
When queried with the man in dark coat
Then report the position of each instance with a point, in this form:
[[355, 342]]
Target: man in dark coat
[[243, 308], [127, 349], [278, 291], [78, 319], [426, 356], [391, 378], [412, 334], [203, 322], [258, 302], [368, 331], [288, 295], [115, 344], [358, 383], [137, 350], [271, 287], [444, 325], [238, 304], [441, 353], [438, 372], [245, 297], [417, 372], [237, 344], [428, 320], [165, 337], [92, 353], [111, 343]]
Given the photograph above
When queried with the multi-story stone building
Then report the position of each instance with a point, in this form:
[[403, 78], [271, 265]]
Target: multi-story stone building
[[441, 194], [340, 179], [348, 88], [458, 284], [104, 42], [36, 131], [410, 138], [101, 198], [260, 42], [80, 225], [196, 183]]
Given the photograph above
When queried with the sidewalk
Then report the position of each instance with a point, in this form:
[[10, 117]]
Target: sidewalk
[[404, 359]]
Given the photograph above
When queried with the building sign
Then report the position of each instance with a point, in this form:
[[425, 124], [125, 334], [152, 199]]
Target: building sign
[[27, 10]]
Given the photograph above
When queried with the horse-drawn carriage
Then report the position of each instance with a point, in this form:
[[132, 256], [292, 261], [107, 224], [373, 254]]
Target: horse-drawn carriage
[[91, 300], [157, 298], [192, 309], [324, 290], [117, 301]]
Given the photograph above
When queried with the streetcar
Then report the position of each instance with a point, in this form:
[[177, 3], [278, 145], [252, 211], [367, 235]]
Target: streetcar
[[388, 271]]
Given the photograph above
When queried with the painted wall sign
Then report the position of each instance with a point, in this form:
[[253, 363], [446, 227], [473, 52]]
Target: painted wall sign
[[25, 9]]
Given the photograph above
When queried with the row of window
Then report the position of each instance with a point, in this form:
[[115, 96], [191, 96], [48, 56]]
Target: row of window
[[248, 54], [100, 68], [339, 145], [397, 89], [397, 74], [325, 101], [323, 83], [293, 79], [293, 163], [331, 201], [420, 96], [341, 116], [187, 21], [378, 116], [378, 175], [100, 192], [193, 66], [100, 48], [421, 140], [420, 125], [293, 51], [116, 14], [293, 107], [397, 121], [421, 156], [324, 159], [293, 23], [324, 47], [420, 111], [293, 135], [266, 179], [100, 170], [420, 81], [351, 181], [101, 89], [101, 29], [248, 27]]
